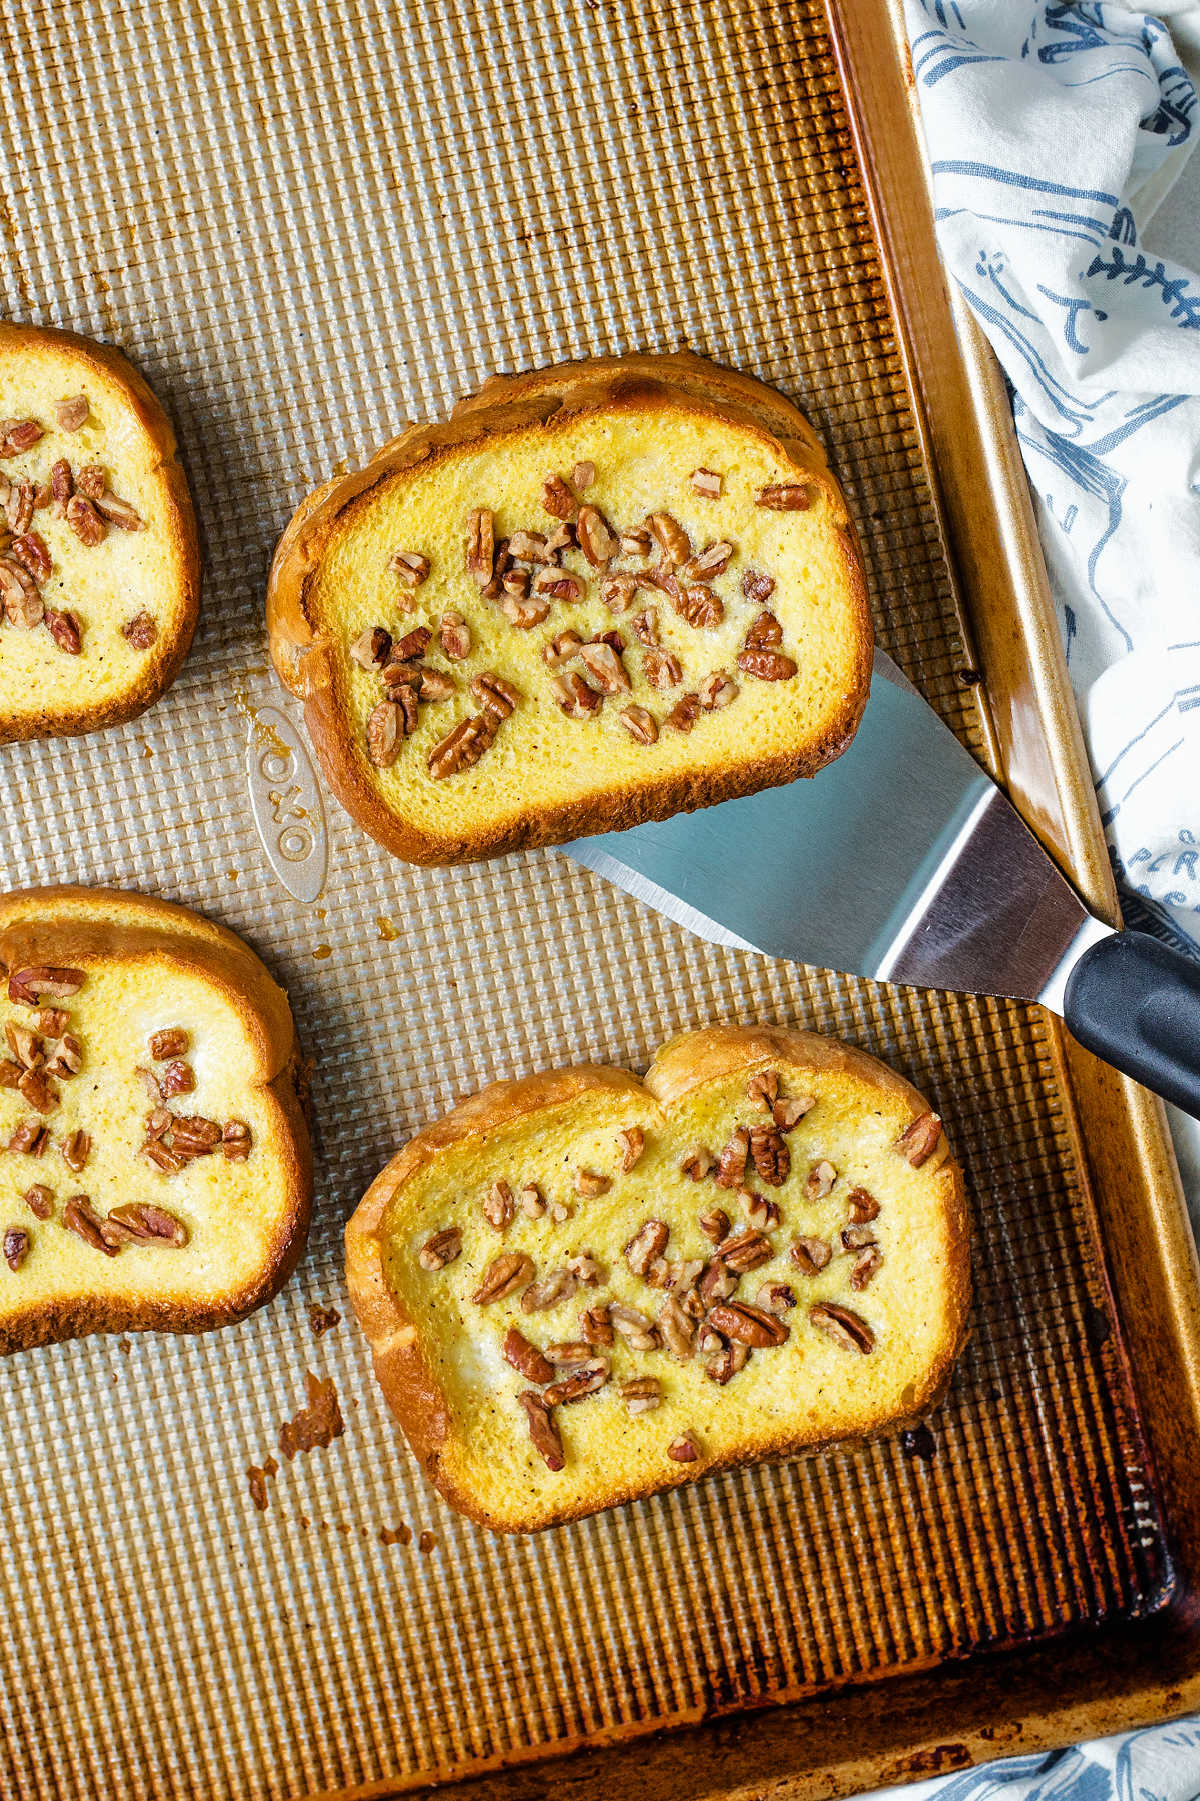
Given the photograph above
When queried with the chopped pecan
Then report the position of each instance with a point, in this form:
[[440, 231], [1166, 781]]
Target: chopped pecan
[[502, 1277], [633, 1326], [64, 629], [564, 537], [757, 587], [37, 1091], [570, 1354], [542, 1429], [712, 561], [861, 1206], [597, 540], [192, 1135], [787, 1113], [757, 1210], [18, 435], [411, 568], [526, 1357], [67, 1060], [442, 1248], [515, 584], [596, 1326], [16, 1247], [772, 1159], [776, 1297], [139, 1222], [647, 1243], [25, 1045], [605, 667], [748, 1251], [494, 694], [529, 547], [162, 1156], [560, 649], [731, 1164], [919, 1140], [530, 1200], [698, 1163], [706, 482], [119, 513], [372, 648], [73, 412], [31, 552], [684, 1449], [141, 630], [80, 1217], [454, 634], [10, 1072], [684, 713], [498, 1205], [661, 668], [26, 986], [235, 1141], [30, 1138], [718, 1282], [631, 1142], [23, 605], [677, 1329], [820, 1181], [524, 614], [581, 1382], [784, 497], [76, 1149], [577, 698], [729, 1360], [766, 665], [481, 545], [765, 633], [715, 1225], [85, 521], [636, 542], [641, 725], [670, 537], [539, 1297], [868, 1261], [553, 584], [91, 481], [585, 1269], [582, 477], [845, 1327], [717, 690], [53, 1021], [178, 1078], [557, 498], [764, 1088], [39, 1201], [385, 734], [589, 1184], [561, 1211], [437, 685], [853, 1238], [645, 629], [699, 606], [641, 1395], [62, 486], [617, 591], [748, 1325], [810, 1255], [412, 646], [463, 747]]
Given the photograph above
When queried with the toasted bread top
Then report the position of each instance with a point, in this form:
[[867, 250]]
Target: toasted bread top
[[575, 743], [99, 611], [157, 1072], [440, 1354]]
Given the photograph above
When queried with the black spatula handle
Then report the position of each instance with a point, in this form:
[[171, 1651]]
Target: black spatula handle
[[1136, 1003]]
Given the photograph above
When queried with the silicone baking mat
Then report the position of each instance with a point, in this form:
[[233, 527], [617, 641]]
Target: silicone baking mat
[[307, 222]]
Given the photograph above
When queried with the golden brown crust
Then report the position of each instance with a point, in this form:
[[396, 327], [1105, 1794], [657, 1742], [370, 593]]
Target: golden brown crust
[[303, 659], [165, 659], [408, 1383], [59, 924]]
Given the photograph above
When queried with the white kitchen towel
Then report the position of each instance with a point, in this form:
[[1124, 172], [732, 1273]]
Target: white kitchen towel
[[1054, 133]]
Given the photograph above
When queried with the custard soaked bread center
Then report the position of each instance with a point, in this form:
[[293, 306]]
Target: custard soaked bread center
[[598, 595]]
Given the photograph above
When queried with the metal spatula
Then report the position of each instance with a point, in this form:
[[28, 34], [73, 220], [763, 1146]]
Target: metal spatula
[[903, 862]]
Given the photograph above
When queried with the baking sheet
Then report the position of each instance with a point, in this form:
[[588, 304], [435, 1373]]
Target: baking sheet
[[306, 224]]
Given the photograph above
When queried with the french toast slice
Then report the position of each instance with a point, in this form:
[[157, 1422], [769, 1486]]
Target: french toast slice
[[598, 594], [580, 1288], [155, 1171], [99, 568]]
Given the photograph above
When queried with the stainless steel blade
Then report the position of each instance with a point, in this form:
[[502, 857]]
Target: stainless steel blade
[[902, 861]]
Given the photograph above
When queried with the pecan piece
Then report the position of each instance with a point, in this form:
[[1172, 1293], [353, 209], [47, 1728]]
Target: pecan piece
[[698, 1163], [570, 1354], [529, 547], [641, 725], [718, 1282], [787, 1113], [542, 1430], [731, 1164], [684, 1449], [91, 481], [64, 629], [25, 1045], [26, 986], [748, 1325], [772, 1159], [634, 1327], [717, 690], [411, 567], [53, 1021], [757, 587], [560, 649], [67, 1060], [776, 1297], [16, 1247], [748, 1251], [76, 1149], [585, 1270], [706, 482], [10, 1073], [39, 1201], [869, 1260], [766, 665], [684, 713], [919, 1140], [596, 1326], [784, 497], [18, 435], [810, 1255], [670, 537], [582, 477], [192, 1135], [861, 1206], [645, 629], [62, 486], [498, 1206], [647, 1243], [728, 1361], [439, 1250], [555, 585], [820, 1181], [557, 498], [170, 1042], [73, 412], [631, 1142], [577, 698], [494, 694], [765, 633], [372, 648], [677, 1329], [581, 1382], [37, 1091], [845, 1327], [597, 540], [539, 1297], [235, 1141], [481, 546], [412, 645], [712, 561], [605, 667], [385, 734], [29, 1138], [699, 606], [436, 685], [641, 1395], [757, 1210], [526, 1357], [454, 635], [763, 1088], [177, 1078], [462, 748], [564, 537], [617, 591], [80, 1217], [23, 605], [636, 542], [141, 631], [139, 1222], [31, 552], [589, 1184], [661, 668], [119, 513], [85, 521], [715, 1225]]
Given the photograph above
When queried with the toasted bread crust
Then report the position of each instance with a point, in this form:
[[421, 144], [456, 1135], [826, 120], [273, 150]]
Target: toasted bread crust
[[401, 1367], [302, 655], [55, 925], [165, 659]]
